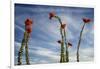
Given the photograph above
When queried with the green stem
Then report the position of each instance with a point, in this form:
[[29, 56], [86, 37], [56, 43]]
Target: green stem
[[79, 42], [62, 59], [59, 20], [67, 54]]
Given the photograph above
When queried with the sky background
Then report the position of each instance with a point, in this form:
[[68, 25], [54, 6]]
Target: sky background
[[43, 46]]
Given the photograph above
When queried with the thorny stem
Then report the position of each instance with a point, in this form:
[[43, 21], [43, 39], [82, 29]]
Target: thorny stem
[[26, 50], [67, 55], [62, 59], [21, 50]]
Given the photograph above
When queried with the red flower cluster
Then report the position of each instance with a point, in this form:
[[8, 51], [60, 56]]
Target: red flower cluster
[[51, 14], [28, 25], [28, 29], [59, 41], [28, 22], [86, 20], [69, 44], [63, 26]]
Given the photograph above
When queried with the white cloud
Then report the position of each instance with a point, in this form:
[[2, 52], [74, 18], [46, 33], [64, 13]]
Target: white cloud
[[51, 29], [20, 28], [86, 54], [51, 55]]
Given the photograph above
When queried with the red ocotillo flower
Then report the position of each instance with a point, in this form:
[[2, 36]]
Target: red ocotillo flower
[[51, 14], [86, 20], [63, 26], [29, 30], [69, 44], [28, 22], [28, 25], [59, 41]]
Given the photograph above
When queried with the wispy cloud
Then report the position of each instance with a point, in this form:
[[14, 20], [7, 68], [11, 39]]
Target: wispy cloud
[[86, 54], [20, 28]]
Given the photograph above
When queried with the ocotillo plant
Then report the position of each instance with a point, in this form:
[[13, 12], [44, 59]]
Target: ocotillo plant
[[63, 37], [85, 20], [28, 30]]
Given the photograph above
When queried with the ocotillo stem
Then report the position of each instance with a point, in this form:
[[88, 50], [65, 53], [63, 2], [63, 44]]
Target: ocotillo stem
[[62, 59], [26, 50], [67, 54], [79, 43], [21, 50]]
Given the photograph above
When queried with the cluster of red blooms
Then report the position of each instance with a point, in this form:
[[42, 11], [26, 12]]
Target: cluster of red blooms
[[63, 26], [69, 44], [28, 25], [51, 15], [86, 20], [59, 41]]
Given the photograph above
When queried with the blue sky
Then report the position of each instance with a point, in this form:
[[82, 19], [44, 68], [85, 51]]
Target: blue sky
[[43, 46]]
